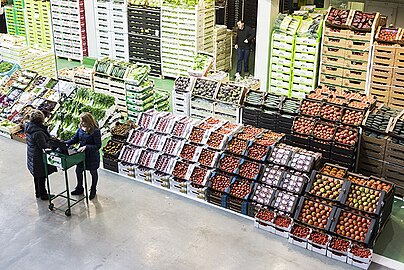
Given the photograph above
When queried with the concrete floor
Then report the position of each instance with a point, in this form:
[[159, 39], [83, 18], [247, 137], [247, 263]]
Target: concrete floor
[[131, 226]]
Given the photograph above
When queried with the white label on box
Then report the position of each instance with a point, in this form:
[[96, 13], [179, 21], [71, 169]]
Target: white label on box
[[280, 69], [281, 61], [304, 80], [283, 45], [282, 53], [303, 72], [305, 57], [302, 40], [307, 49], [306, 65]]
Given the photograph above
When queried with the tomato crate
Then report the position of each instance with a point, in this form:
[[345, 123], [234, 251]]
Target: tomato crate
[[331, 69], [354, 84], [359, 35], [396, 99], [331, 79], [335, 41], [357, 55], [355, 74], [335, 32], [358, 45], [333, 51]]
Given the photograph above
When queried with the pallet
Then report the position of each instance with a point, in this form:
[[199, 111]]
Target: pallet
[[373, 147], [370, 166], [394, 153]]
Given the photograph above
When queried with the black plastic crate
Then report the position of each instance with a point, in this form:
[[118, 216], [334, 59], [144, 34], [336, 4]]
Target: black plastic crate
[[237, 205], [216, 197], [109, 164]]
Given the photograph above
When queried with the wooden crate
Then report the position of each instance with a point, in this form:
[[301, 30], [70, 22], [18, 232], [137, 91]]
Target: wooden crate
[[353, 83], [355, 74], [385, 51], [335, 32], [333, 51], [370, 166], [333, 61], [399, 53], [382, 92], [335, 41], [395, 174], [398, 79], [360, 45], [396, 99], [394, 153], [382, 75], [357, 55], [331, 79], [332, 70], [373, 147]]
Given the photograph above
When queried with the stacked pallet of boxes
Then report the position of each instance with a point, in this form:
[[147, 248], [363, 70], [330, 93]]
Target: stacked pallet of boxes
[[202, 98], [229, 99], [282, 47], [139, 90], [306, 56], [80, 76], [39, 30], [222, 50], [181, 95], [14, 49], [112, 29], [346, 56], [185, 30], [387, 79], [15, 18], [145, 36], [69, 26], [109, 79]]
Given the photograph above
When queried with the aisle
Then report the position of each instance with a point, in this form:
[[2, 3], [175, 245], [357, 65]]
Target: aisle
[[131, 226]]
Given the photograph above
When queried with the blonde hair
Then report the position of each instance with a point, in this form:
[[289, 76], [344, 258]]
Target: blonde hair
[[89, 121], [37, 117]]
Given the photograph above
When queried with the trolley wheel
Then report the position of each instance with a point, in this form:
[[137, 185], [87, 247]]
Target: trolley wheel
[[68, 213], [51, 206]]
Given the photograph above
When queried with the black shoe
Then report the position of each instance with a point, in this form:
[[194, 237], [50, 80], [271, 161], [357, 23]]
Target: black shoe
[[46, 197], [78, 191], [93, 192], [37, 196]]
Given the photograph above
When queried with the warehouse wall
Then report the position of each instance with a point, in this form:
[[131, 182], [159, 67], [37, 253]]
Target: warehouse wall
[[90, 27]]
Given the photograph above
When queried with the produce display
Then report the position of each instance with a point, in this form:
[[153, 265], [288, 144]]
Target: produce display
[[240, 189], [282, 221], [293, 181], [201, 62], [363, 20], [361, 252], [346, 224], [324, 131], [290, 106], [164, 164], [263, 194], [302, 162], [272, 101], [319, 238], [303, 125], [220, 182], [326, 187], [5, 67], [188, 152], [172, 146], [398, 129], [377, 122], [280, 156], [339, 244], [363, 198], [265, 215], [337, 17], [387, 34], [208, 157], [198, 175], [300, 231], [352, 117], [331, 112], [216, 140], [182, 84], [346, 136], [272, 175], [112, 148], [237, 146], [254, 98], [180, 169], [315, 214], [205, 88], [229, 93], [197, 135], [311, 108], [249, 170], [228, 163], [334, 171], [284, 202], [257, 151]]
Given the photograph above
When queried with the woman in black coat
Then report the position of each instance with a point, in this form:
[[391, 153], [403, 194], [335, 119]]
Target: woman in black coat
[[89, 138], [37, 140]]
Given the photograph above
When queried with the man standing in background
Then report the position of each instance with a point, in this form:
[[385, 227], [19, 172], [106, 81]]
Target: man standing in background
[[245, 35]]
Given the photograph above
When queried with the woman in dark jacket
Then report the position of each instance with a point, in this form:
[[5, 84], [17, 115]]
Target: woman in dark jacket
[[89, 138], [37, 140]]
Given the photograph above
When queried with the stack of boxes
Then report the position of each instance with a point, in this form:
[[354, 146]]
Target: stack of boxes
[[15, 50], [184, 32], [222, 48], [145, 36], [38, 17], [346, 56], [112, 29], [295, 55], [69, 26], [15, 18]]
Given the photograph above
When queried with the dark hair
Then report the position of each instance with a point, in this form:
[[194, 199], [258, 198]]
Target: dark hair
[[37, 117]]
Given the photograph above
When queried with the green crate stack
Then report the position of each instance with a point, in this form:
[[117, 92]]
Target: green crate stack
[[39, 24], [15, 20]]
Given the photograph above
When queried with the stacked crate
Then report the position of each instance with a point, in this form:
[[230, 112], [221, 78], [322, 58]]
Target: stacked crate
[[396, 99], [38, 17], [112, 29], [145, 37], [15, 50], [69, 26], [222, 48], [15, 18], [346, 57], [185, 30]]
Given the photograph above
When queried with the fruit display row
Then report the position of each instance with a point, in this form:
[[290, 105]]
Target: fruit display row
[[353, 19]]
